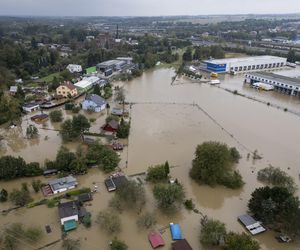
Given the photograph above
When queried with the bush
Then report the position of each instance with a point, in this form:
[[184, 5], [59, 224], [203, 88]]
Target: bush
[[3, 195], [118, 245], [147, 220], [168, 196], [70, 244], [213, 165], [78, 192], [109, 221], [212, 232], [189, 205], [56, 116], [32, 132], [87, 221], [36, 185]]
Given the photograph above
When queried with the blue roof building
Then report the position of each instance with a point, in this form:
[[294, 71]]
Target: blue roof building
[[175, 231]]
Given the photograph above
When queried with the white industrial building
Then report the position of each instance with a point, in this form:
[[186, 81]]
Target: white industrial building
[[284, 84], [74, 68], [87, 82], [245, 64]]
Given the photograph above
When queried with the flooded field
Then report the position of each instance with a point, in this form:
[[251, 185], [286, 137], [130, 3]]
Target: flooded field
[[168, 121]]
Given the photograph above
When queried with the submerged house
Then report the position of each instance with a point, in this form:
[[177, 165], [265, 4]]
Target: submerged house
[[253, 226], [181, 245], [155, 240], [39, 118], [94, 103], [114, 182]]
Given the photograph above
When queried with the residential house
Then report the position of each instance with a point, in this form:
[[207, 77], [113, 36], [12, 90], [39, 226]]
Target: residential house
[[84, 197], [66, 89], [60, 185], [74, 68], [68, 211], [30, 107], [94, 103], [253, 226], [111, 126], [13, 90], [115, 181]]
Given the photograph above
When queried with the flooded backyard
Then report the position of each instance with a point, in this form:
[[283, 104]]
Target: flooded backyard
[[167, 123]]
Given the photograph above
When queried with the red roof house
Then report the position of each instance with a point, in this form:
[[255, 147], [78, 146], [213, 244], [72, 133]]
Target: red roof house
[[156, 240], [111, 126]]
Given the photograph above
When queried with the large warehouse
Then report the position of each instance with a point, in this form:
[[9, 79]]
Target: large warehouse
[[244, 64], [284, 84]]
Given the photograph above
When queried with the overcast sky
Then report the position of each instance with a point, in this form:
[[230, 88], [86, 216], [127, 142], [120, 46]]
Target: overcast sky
[[145, 7]]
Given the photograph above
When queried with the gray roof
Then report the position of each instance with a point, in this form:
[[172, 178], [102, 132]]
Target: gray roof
[[67, 209], [98, 100], [64, 182], [278, 78], [108, 63], [247, 220]]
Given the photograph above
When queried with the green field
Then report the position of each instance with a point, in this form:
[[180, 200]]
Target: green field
[[49, 78]]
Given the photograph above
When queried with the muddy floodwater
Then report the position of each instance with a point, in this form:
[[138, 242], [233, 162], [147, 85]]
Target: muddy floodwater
[[167, 122]]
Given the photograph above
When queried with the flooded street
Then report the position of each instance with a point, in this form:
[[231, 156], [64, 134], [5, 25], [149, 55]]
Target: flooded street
[[167, 124]]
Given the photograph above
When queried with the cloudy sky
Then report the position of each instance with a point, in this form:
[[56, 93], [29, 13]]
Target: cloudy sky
[[145, 7]]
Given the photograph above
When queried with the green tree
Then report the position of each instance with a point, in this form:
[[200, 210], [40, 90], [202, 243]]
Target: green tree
[[104, 157], [32, 132], [213, 164], [118, 245], [65, 159], [73, 129], [276, 207], [109, 221], [12, 167], [97, 90], [3, 195], [291, 56], [56, 116], [168, 196], [87, 221], [242, 241], [212, 232], [188, 55], [123, 129]]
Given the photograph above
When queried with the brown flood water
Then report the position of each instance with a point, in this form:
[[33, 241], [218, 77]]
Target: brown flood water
[[165, 126]]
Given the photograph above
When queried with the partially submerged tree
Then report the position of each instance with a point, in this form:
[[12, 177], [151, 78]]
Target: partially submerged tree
[[70, 244], [36, 185], [212, 232], [146, 220], [123, 129], [109, 221], [3, 195], [276, 177], [32, 132], [131, 195], [73, 129], [20, 197], [118, 245], [169, 196], [242, 241], [56, 116], [213, 164], [158, 173]]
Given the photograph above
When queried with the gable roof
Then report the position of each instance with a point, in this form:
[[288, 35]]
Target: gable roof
[[67, 209], [114, 124], [181, 245], [64, 182], [155, 239], [68, 85], [98, 100]]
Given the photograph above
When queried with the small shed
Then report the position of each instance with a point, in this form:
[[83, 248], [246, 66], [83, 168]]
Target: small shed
[[175, 231], [69, 225], [39, 118], [253, 226], [181, 245], [114, 182], [85, 197], [156, 240]]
